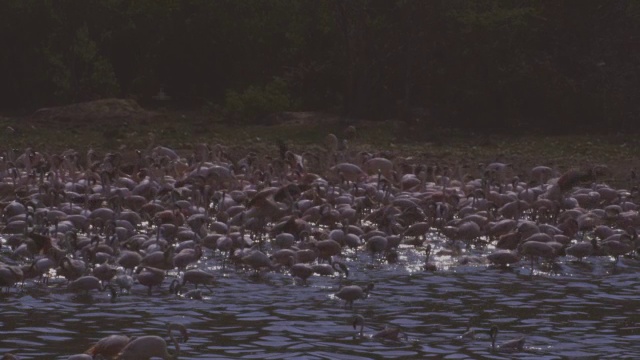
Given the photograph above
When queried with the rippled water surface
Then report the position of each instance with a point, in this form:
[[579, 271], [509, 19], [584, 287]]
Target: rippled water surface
[[578, 310]]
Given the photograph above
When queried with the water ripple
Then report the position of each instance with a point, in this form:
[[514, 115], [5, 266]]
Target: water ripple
[[583, 312]]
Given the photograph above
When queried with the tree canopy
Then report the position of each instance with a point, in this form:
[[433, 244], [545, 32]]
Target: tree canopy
[[556, 66]]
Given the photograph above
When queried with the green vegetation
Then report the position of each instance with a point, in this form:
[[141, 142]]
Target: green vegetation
[[560, 66], [257, 101]]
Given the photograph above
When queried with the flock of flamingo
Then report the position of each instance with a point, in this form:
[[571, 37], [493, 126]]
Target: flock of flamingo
[[144, 223]]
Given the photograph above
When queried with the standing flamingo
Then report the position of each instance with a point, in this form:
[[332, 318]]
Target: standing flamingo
[[352, 293]]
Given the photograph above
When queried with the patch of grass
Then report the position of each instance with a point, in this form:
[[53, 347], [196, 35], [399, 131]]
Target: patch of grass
[[181, 130]]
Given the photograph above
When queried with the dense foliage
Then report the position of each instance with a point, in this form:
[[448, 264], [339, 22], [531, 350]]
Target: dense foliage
[[561, 65]]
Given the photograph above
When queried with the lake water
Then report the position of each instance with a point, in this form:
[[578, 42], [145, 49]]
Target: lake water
[[576, 311]]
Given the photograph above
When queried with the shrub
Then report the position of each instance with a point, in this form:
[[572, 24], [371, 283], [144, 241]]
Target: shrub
[[255, 102]]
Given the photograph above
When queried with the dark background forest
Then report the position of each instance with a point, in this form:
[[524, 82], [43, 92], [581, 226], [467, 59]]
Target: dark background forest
[[554, 66]]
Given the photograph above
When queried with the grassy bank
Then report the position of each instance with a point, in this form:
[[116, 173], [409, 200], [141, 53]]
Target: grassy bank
[[307, 131]]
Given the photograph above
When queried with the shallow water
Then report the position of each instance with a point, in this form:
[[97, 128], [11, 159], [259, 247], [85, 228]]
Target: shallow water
[[586, 310]]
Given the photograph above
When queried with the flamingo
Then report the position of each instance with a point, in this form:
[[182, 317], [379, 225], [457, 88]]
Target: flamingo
[[146, 347], [187, 256], [302, 271], [381, 166], [535, 249], [620, 244], [327, 249], [388, 333], [129, 259], [257, 260], [376, 244], [348, 172], [352, 293], [331, 269], [72, 269], [582, 249], [512, 345], [429, 266], [160, 259], [72, 357], [86, 284], [468, 231], [418, 231], [197, 277], [150, 277], [105, 272], [469, 334], [10, 275], [503, 258], [109, 346]]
